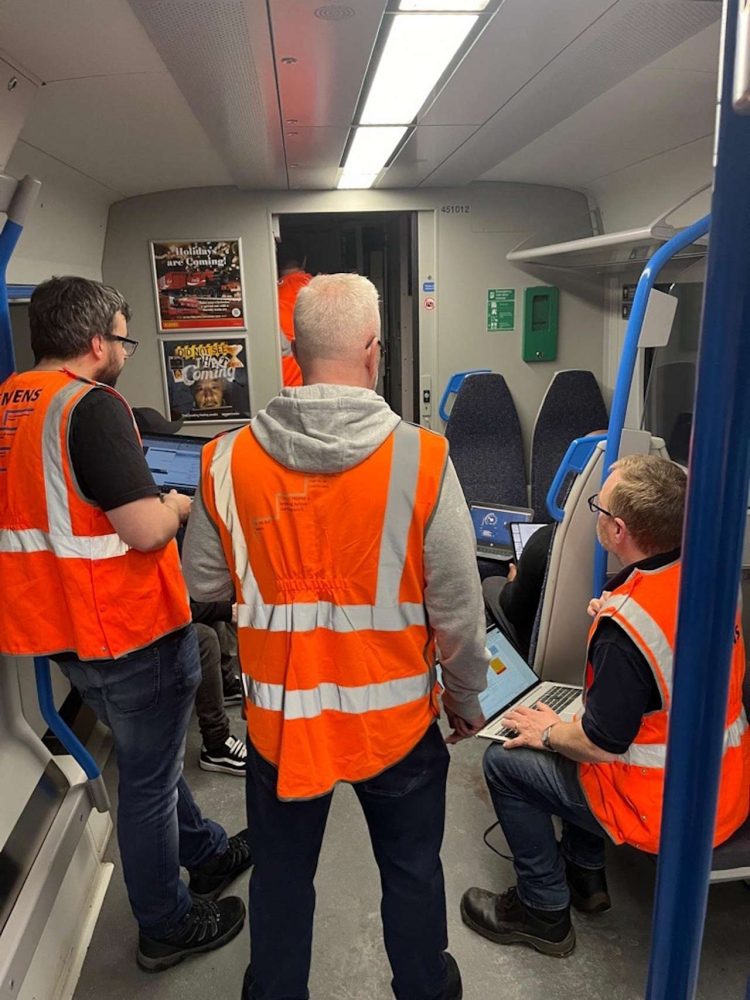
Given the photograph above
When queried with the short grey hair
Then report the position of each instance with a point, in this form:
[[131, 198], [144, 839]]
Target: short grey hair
[[650, 499], [333, 316], [66, 313]]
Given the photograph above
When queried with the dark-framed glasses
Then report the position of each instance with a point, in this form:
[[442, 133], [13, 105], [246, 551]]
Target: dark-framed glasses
[[595, 508], [129, 346]]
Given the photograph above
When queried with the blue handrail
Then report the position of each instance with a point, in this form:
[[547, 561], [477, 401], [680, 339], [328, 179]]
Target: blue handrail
[[453, 385], [20, 205], [621, 395], [712, 556], [575, 460]]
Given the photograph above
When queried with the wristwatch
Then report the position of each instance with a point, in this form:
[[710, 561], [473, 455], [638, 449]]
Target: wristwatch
[[545, 739]]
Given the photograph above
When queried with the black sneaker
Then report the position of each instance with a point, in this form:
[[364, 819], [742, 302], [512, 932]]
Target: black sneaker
[[504, 918], [588, 888], [205, 926], [454, 990], [233, 691], [211, 879], [230, 758]]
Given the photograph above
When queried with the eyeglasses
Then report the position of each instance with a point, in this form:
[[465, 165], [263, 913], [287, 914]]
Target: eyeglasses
[[595, 508], [129, 346], [381, 345]]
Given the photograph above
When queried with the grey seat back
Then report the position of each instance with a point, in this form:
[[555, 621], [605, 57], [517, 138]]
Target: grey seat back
[[572, 407], [485, 442], [558, 644]]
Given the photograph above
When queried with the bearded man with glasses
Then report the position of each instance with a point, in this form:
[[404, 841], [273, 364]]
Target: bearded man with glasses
[[90, 576]]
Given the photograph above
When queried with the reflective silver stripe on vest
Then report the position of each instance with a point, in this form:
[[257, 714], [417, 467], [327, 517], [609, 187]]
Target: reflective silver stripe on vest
[[399, 509], [60, 539], [654, 755], [335, 617], [309, 703], [386, 614], [221, 473], [647, 635]]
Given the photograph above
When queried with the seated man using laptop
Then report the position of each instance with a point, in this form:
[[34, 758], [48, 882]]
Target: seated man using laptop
[[603, 773]]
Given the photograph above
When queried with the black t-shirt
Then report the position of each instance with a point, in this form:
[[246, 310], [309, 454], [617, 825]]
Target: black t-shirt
[[624, 688], [106, 454]]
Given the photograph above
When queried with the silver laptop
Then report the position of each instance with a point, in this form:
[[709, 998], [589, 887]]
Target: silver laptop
[[492, 528], [174, 461], [511, 682]]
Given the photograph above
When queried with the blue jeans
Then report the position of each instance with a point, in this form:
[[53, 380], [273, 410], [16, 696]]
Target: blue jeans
[[529, 787], [146, 699], [405, 812]]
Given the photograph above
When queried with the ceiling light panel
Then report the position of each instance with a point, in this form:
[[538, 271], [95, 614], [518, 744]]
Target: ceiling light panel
[[415, 55], [370, 149], [440, 5]]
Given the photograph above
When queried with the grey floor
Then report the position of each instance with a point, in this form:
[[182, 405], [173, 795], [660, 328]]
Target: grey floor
[[349, 962]]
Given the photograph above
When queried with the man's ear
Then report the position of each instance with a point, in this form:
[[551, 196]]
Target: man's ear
[[96, 346]]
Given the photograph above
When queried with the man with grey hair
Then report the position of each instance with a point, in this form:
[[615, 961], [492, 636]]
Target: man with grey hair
[[343, 535], [90, 576], [603, 773]]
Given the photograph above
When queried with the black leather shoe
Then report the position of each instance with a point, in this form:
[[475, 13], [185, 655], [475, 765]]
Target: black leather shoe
[[211, 879], [454, 990], [588, 888], [205, 927], [503, 918]]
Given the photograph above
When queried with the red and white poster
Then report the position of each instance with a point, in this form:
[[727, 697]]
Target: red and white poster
[[198, 285]]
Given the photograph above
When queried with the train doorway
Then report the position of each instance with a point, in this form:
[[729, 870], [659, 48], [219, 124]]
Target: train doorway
[[383, 247]]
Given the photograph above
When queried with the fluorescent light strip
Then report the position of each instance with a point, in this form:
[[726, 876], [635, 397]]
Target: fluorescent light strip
[[416, 52], [452, 5], [368, 153]]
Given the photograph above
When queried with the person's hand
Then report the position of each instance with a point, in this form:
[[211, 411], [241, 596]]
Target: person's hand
[[512, 572], [179, 503], [529, 723], [462, 728], [597, 603]]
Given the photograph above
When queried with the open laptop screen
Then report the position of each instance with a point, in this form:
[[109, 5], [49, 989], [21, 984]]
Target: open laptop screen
[[174, 461], [491, 524]]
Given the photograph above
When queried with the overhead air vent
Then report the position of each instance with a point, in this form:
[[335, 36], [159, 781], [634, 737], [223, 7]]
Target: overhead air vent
[[332, 12]]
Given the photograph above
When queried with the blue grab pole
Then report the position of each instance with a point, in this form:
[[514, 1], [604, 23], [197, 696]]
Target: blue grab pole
[[646, 282], [717, 502]]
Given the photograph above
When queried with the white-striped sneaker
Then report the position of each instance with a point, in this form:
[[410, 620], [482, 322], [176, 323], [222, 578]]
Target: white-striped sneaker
[[230, 758]]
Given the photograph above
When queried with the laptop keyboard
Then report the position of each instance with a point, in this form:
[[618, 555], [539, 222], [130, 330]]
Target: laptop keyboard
[[491, 550], [558, 698]]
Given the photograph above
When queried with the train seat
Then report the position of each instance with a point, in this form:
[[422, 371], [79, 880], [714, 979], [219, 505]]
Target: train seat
[[572, 407], [485, 442]]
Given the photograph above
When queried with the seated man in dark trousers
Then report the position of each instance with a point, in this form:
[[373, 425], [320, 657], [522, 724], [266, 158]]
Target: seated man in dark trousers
[[603, 774]]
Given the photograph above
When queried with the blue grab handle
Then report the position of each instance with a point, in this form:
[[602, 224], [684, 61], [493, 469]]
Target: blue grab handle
[[627, 361], [454, 384], [9, 237], [69, 740], [575, 460]]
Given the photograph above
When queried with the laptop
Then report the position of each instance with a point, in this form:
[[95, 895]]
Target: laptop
[[520, 533], [492, 528], [511, 682], [174, 461]]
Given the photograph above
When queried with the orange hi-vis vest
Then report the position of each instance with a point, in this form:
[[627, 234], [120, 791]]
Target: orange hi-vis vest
[[337, 654], [626, 796], [68, 583], [289, 287]]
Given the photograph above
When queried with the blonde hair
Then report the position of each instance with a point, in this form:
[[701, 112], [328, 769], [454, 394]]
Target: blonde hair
[[333, 317], [650, 499]]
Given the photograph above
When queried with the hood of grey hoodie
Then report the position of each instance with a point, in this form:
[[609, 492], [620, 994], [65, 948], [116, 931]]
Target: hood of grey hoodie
[[324, 428]]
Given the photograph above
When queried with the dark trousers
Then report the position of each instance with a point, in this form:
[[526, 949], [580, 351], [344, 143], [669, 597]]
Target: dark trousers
[[209, 698], [146, 699], [405, 812]]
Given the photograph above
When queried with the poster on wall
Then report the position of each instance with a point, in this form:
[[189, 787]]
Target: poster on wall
[[206, 378], [198, 285]]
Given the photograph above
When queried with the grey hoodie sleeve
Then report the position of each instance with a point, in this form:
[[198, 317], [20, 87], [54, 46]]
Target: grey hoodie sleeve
[[203, 561], [453, 597]]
